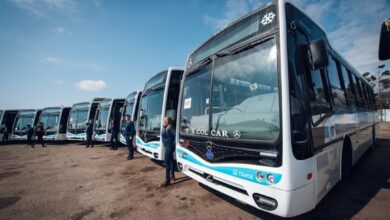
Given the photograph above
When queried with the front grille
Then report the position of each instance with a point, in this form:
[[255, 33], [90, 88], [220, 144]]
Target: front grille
[[76, 131], [226, 153], [50, 132], [100, 132]]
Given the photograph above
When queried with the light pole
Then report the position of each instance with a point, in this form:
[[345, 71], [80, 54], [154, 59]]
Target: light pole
[[379, 88]]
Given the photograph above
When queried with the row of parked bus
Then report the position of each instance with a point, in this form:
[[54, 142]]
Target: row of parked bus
[[159, 98], [266, 112]]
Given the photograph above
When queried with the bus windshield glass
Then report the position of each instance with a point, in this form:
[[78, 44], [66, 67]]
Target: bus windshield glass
[[23, 121], [50, 121], [150, 110], [250, 26], [244, 100], [101, 123], [78, 119]]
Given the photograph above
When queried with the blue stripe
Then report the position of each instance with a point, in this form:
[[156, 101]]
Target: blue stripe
[[80, 135], [153, 144], [238, 172]]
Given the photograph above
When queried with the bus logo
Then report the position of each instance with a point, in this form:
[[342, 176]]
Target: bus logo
[[209, 152], [237, 134], [268, 18]]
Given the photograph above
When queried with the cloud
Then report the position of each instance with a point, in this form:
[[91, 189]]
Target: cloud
[[60, 82], [29, 5], [59, 30], [91, 85], [58, 61], [232, 10], [39, 8]]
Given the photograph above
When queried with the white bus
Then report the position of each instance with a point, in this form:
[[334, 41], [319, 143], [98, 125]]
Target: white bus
[[7, 118], [108, 110], [159, 98], [130, 108], [23, 118], [270, 114], [54, 121], [80, 114]]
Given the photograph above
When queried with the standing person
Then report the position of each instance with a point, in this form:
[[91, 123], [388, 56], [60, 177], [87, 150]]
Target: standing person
[[5, 134], [129, 135], [114, 136], [39, 132], [168, 138], [30, 133], [89, 132]]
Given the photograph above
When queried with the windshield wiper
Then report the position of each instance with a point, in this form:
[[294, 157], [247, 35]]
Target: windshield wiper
[[234, 49]]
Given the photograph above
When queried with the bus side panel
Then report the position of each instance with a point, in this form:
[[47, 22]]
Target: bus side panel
[[327, 169]]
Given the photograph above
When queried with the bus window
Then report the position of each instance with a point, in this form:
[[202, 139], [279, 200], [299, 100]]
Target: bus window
[[298, 112], [319, 99], [350, 92], [335, 85], [359, 93]]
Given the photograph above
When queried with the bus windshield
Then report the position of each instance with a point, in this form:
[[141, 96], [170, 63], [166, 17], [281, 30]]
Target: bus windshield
[[23, 121], [101, 123], [244, 101], [150, 108], [128, 111], [50, 121], [78, 119]]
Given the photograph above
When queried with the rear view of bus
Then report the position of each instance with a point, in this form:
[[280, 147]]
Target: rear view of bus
[[7, 119], [130, 107], [54, 120], [108, 110], [270, 114], [78, 117], [159, 99], [24, 118]]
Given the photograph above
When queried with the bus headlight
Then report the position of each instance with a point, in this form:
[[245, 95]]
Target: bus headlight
[[271, 178], [260, 176]]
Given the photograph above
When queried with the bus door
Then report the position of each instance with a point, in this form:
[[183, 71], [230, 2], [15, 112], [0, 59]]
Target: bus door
[[326, 153]]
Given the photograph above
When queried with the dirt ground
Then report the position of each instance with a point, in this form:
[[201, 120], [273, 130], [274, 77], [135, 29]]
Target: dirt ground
[[71, 182]]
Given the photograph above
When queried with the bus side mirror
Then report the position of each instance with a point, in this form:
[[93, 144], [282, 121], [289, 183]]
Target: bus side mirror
[[318, 55], [384, 41]]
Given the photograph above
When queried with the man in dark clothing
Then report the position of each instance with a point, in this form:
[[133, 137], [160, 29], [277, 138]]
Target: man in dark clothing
[[89, 132], [39, 132], [168, 138], [114, 136], [5, 134], [30, 133], [129, 133]]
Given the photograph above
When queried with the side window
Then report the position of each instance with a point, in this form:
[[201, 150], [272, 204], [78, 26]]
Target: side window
[[349, 91], [319, 98], [337, 90], [365, 95], [359, 93]]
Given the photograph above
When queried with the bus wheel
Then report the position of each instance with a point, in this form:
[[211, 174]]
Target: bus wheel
[[346, 164], [373, 138]]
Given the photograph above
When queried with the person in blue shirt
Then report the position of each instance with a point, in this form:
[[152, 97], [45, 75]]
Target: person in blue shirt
[[114, 136], [88, 133], [30, 133], [168, 134], [129, 133]]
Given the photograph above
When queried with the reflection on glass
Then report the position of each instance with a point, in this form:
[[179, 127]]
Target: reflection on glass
[[244, 102], [101, 123], [151, 107]]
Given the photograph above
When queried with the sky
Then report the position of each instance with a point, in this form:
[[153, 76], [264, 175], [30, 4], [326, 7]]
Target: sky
[[60, 52]]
